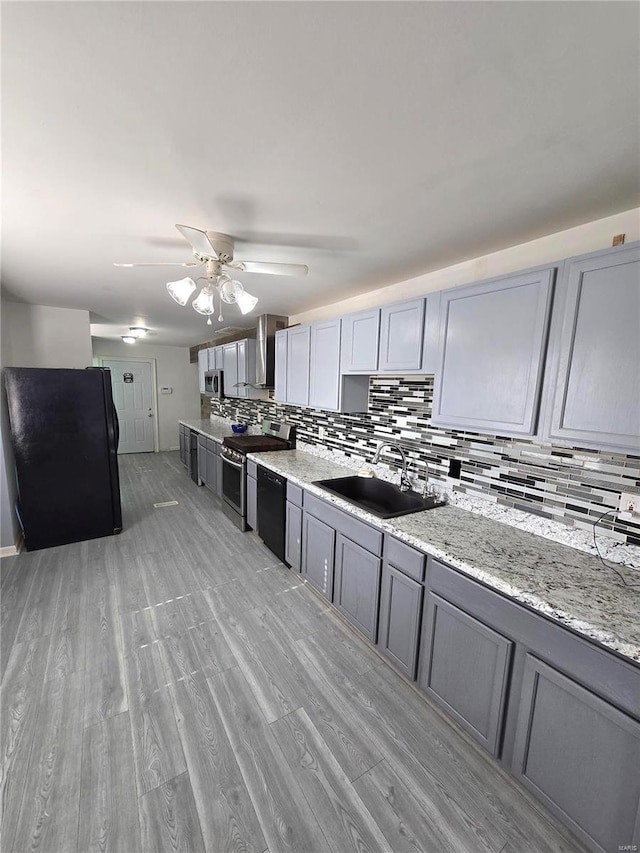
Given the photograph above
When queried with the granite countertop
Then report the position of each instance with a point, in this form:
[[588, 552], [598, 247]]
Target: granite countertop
[[215, 428], [566, 584]]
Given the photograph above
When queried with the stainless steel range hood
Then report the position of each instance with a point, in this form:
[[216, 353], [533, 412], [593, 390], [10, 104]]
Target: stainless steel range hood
[[267, 326]]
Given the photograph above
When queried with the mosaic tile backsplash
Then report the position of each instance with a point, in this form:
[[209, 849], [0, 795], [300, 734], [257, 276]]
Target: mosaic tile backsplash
[[571, 485]]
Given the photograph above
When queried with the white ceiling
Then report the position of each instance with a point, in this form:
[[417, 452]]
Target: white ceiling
[[370, 140]]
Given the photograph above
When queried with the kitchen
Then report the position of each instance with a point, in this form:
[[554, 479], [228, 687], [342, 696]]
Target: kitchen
[[184, 598]]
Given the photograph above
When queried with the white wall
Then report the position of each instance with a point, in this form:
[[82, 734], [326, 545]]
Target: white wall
[[39, 336], [172, 369], [564, 244]]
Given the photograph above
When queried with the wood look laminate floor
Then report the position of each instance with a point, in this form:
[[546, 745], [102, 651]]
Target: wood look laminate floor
[[176, 688]]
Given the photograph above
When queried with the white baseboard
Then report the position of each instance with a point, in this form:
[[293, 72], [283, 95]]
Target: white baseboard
[[12, 550]]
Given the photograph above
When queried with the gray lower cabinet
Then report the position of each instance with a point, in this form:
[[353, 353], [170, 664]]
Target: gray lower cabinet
[[492, 345], [594, 377], [464, 667], [293, 535], [356, 590], [318, 554], [399, 624], [211, 466], [581, 757], [252, 502], [202, 460], [218, 474]]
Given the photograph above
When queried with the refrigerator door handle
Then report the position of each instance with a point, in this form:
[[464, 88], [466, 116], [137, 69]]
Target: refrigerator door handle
[[116, 426]]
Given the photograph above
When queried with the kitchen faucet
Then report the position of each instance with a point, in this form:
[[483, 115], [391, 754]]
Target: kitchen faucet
[[405, 482]]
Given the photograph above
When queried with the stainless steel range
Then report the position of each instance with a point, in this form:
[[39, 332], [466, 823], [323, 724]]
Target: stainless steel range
[[276, 435]]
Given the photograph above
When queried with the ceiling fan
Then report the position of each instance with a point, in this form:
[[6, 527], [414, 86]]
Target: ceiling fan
[[215, 252]]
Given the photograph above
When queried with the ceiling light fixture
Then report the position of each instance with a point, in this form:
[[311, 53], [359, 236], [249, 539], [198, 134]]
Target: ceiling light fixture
[[138, 331], [229, 291], [128, 339]]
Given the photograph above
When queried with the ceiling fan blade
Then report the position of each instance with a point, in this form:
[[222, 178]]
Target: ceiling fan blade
[[271, 269], [161, 264], [199, 241]]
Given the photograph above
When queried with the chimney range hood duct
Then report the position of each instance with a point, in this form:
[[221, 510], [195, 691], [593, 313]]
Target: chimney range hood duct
[[268, 325]]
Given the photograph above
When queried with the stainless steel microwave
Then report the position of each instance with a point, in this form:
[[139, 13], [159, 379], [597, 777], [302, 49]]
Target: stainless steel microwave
[[213, 385]]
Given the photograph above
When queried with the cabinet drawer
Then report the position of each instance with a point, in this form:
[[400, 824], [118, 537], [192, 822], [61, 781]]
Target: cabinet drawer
[[409, 560], [294, 493], [358, 531], [213, 445], [252, 468]]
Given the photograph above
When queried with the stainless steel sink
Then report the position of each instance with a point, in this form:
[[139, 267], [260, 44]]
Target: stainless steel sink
[[378, 496]]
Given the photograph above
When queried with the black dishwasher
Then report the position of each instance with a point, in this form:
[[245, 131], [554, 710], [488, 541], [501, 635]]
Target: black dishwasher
[[272, 496]]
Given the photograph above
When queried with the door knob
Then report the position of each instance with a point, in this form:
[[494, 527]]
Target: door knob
[[150, 413]]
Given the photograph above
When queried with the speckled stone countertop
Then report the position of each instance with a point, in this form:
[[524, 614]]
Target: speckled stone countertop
[[566, 584], [215, 428]]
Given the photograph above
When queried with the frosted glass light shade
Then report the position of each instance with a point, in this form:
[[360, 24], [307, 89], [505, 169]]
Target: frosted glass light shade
[[203, 303], [246, 302], [138, 331], [181, 290], [128, 339]]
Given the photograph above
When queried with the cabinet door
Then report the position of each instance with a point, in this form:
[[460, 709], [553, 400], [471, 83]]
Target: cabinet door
[[357, 585], [400, 612], [492, 344], [298, 348], [203, 366], [230, 378], [401, 336], [293, 536], [252, 503], [202, 459], [430, 345], [218, 358], [181, 442], [596, 353], [324, 379], [318, 552], [580, 756], [464, 667], [211, 472], [360, 342], [280, 390], [218, 475], [242, 376]]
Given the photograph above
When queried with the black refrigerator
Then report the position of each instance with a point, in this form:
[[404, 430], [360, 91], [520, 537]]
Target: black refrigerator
[[64, 432]]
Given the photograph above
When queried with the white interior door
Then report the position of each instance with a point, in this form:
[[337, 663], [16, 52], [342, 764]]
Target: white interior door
[[133, 397]]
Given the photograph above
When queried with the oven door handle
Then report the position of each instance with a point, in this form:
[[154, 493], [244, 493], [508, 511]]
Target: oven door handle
[[238, 465]]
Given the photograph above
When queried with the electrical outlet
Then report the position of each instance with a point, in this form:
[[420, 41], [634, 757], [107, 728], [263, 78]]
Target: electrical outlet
[[629, 507], [320, 432]]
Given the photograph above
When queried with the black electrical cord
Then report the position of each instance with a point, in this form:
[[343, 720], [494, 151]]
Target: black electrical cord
[[607, 566]]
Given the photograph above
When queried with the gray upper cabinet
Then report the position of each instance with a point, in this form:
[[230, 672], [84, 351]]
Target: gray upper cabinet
[[298, 352], [357, 585], [230, 367], [464, 668], [400, 613], [324, 380], [430, 349], [280, 390], [401, 336], [594, 375], [492, 345], [581, 757], [360, 342], [203, 366], [328, 389]]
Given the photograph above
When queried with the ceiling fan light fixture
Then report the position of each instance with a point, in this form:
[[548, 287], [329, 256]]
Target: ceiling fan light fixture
[[246, 301], [137, 331], [203, 303], [181, 290], [128, 339]]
